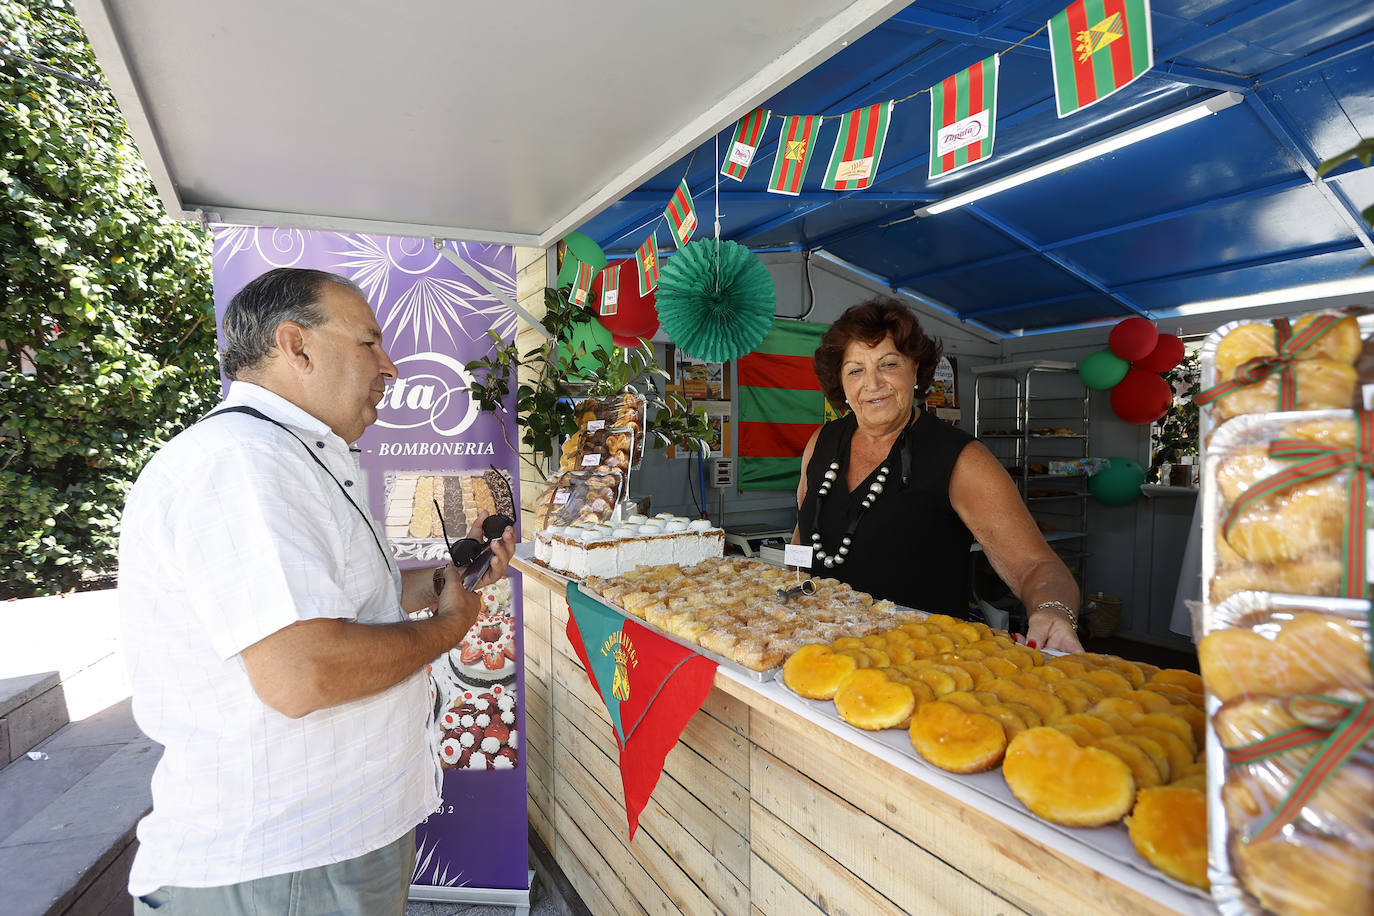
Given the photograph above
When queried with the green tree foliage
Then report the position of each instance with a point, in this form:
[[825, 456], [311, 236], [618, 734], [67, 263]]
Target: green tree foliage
[[107, 331]]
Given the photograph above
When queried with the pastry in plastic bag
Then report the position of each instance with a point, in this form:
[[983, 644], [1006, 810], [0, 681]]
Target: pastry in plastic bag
[[1307, 875], [1320, 383], [1309, 654], [1341, 343], [575, 497]]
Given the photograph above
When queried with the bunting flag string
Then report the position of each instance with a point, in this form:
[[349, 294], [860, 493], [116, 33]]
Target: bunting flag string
[[1097, 47]]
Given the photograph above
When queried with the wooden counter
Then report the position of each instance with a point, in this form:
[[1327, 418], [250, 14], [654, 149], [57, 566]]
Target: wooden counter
[[763, 810]]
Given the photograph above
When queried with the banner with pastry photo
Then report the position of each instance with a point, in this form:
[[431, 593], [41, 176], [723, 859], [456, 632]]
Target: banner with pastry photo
[[430, 465]]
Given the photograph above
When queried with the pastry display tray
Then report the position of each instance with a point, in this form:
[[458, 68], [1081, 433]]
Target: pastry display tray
[[993, 796]]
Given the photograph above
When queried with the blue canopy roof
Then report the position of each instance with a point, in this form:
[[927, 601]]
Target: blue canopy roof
[[1225, 206]]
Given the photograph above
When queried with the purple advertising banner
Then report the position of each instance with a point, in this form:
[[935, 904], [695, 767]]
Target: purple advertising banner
[[431, 445]]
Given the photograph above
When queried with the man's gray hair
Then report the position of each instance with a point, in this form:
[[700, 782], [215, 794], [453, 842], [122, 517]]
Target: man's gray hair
[[284, 294]]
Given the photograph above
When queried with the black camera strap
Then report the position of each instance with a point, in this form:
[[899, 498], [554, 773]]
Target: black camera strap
[[367, 522]]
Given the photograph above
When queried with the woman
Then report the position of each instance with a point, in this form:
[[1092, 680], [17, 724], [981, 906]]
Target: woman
[[891, 498]]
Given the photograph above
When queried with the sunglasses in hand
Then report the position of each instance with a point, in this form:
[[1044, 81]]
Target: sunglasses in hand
[[469, 552]]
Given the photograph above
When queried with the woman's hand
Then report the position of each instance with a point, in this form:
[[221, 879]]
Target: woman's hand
[[1049, 628]]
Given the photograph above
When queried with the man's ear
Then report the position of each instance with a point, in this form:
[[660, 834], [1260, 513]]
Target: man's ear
[[290, 340]]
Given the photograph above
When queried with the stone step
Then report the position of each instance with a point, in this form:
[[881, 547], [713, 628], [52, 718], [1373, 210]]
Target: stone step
[[67, 819], [32, 707]]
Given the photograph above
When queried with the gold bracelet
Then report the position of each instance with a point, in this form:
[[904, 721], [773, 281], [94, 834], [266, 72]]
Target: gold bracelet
[[1059, 605]]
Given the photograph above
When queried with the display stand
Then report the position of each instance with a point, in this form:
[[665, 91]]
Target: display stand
[[1030, 414], [488, 896]]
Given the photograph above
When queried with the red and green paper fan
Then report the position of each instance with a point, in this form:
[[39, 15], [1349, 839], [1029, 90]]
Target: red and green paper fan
[[716, 300]]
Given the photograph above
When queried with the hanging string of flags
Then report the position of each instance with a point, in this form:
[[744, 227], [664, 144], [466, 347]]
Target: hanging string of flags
[[1097, 47]]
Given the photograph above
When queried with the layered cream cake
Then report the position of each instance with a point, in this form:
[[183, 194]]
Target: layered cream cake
[[604, 550]]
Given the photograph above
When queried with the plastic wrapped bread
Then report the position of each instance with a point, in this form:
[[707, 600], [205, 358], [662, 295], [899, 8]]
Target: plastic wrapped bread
[[1289, 541], [1273, 664], [1324, 372]]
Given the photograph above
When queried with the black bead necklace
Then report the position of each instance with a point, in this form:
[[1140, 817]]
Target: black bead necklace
[[832, 474]]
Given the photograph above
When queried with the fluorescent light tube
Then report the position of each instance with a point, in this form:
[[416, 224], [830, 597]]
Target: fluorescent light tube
[[1348, 287], [1187, 115]]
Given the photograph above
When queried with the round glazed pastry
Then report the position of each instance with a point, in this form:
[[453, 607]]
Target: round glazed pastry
[[700, 524]]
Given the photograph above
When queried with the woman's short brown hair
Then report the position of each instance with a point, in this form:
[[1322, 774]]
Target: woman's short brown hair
[[870, 321]]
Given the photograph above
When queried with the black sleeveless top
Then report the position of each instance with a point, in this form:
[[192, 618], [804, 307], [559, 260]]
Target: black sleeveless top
[[910, 547]]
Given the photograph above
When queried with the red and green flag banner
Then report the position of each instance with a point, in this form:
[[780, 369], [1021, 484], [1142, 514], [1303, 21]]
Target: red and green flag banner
[[745, 143], [858, 147], [610, 291], [681, 215], [1097, 47], [796, 142], [646, 259], [780, 405], [650, 684], [963, 117], [582, 284]]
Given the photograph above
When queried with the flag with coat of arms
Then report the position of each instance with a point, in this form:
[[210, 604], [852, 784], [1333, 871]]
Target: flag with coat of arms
[[796, 143], [858, 148], [610, 291], [650, 685], [1096, 48], [681, 215], [646, 259], [963, 117]]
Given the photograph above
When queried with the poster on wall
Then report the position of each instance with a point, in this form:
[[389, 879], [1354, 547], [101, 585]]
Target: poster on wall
[[697, 379], [431, 445]]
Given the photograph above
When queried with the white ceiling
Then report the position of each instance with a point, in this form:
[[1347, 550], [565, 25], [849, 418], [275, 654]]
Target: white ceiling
[[510, 122]]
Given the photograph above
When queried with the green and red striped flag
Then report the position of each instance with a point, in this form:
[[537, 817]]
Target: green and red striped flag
[[681, 215], [582, 284], [1097, 47], [858, 147], [780, 405], [651, 687], [610, 291], [963, 117], [745, 143], [646, 259], [796, 143]]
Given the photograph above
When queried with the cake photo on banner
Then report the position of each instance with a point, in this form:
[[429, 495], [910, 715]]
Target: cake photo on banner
[[431, 445]]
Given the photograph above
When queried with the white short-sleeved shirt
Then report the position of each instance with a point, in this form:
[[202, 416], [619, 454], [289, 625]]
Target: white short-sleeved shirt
[[230, 534]]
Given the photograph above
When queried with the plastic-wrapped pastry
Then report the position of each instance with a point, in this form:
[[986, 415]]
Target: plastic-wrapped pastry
[[1321, 383], [1341, 343], [1311, 653]]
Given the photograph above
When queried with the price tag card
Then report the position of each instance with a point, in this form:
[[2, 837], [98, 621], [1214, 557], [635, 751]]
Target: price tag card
[[797, 555], [561, 499], [590, 461], [594, 425]]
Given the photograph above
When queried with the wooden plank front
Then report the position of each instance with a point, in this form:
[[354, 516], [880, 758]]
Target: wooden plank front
[[760, 811]]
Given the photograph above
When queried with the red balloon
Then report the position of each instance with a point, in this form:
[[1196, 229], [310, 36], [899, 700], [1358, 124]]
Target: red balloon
[[635, 316], [1167, 354], [1133, 338], [1141, 397]]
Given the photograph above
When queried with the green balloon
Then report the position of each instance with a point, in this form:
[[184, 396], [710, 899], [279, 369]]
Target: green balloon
[[579, 248], [1102, 370], [586, 336], [1118, 484]]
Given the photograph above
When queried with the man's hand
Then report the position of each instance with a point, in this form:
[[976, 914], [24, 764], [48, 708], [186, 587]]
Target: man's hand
[[502, 549], [457, 603]]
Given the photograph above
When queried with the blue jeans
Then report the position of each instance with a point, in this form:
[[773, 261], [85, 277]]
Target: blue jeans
[[374, 884]]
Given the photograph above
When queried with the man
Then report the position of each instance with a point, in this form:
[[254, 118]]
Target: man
[[264, 627]]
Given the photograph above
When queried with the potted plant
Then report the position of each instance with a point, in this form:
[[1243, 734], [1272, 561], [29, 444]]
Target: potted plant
[[1175, 436], [555, 378]]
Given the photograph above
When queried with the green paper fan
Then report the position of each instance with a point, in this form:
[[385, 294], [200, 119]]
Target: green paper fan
[[715, 319]]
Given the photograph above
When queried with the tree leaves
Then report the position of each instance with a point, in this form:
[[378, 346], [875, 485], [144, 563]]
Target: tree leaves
[[107, 335]]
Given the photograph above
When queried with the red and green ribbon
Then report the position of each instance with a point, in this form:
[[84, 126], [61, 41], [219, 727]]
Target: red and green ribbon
[[1335, 743], [1288, 347], [1318, 460]]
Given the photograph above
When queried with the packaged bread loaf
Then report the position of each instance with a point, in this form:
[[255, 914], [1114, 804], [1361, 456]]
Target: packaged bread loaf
[[1291, 700], [1304, 363], [1278, 504]]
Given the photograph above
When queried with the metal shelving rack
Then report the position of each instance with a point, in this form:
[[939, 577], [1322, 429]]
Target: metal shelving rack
[[1027, 414]]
